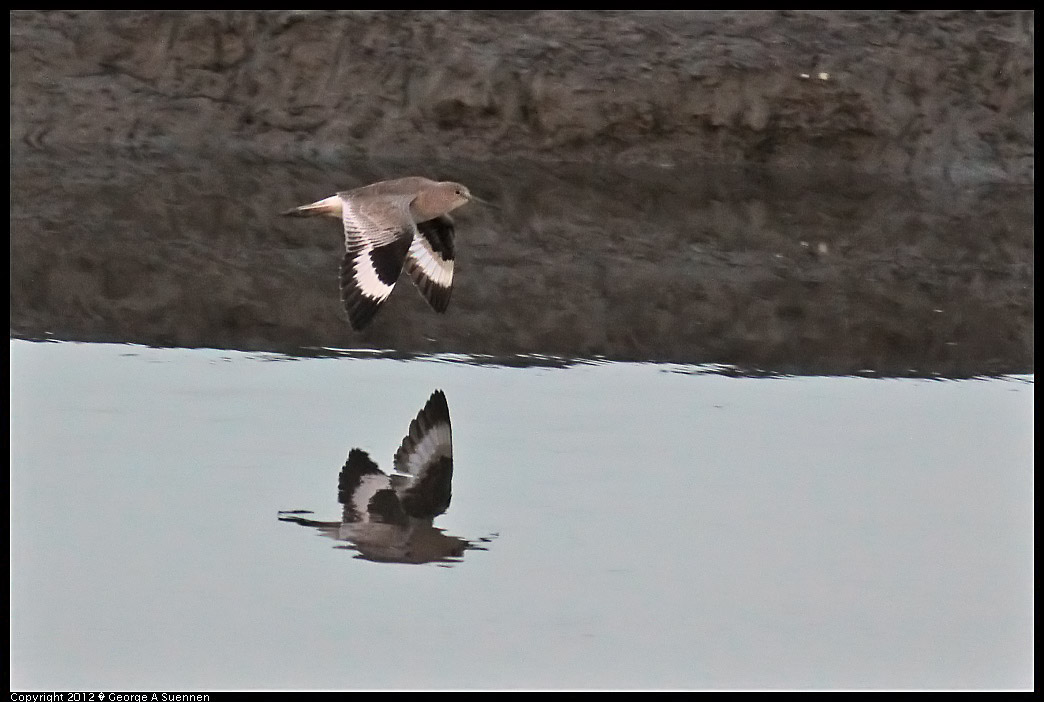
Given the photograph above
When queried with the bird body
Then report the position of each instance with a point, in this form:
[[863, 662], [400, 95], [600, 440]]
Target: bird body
[[390, 516], [390, 225]]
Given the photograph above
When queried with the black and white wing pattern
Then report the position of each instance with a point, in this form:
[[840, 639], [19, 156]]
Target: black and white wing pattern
[[377, 237], [422, 484], [366, 492], [430, 261], [390, 517], [426, 456]]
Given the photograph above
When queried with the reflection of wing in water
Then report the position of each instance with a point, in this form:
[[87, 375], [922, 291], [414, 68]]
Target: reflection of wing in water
[[389, 517]]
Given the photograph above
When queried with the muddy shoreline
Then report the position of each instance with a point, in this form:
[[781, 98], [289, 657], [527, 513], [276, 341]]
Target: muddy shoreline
[[710, 267], [786, 192], [936, 94]]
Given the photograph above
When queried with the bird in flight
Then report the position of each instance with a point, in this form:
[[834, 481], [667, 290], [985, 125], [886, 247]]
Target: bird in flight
[[390, 518], [388, 226]]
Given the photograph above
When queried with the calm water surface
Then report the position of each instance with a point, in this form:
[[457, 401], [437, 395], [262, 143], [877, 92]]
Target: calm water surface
[[710, 430], [653, 526]]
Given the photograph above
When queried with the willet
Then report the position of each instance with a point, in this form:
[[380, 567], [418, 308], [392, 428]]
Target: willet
[[389, 224], [390, 517]]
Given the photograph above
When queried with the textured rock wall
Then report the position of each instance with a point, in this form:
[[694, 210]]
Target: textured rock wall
[[919, 94]]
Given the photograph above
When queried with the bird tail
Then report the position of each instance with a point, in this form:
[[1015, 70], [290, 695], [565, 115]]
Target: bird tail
[[330, 206]]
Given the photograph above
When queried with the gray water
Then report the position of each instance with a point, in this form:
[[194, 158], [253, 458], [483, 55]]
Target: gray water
[[655, 527], [709, 433]]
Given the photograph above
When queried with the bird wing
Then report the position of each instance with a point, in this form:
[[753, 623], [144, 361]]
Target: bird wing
[[426, 456], [430, 261], [366, 493], [377, 236]]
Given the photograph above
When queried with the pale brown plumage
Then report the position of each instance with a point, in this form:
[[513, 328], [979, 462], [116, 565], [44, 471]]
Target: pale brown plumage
[[388, 225]]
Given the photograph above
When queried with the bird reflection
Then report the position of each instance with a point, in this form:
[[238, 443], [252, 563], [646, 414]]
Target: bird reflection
[[389, 518]]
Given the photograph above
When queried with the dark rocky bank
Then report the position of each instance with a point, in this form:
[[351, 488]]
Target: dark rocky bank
[[945, 94]]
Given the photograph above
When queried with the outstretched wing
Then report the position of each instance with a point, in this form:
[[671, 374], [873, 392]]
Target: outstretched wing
[[366, 492], [430, 261], [377, 236], [426, 456]]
